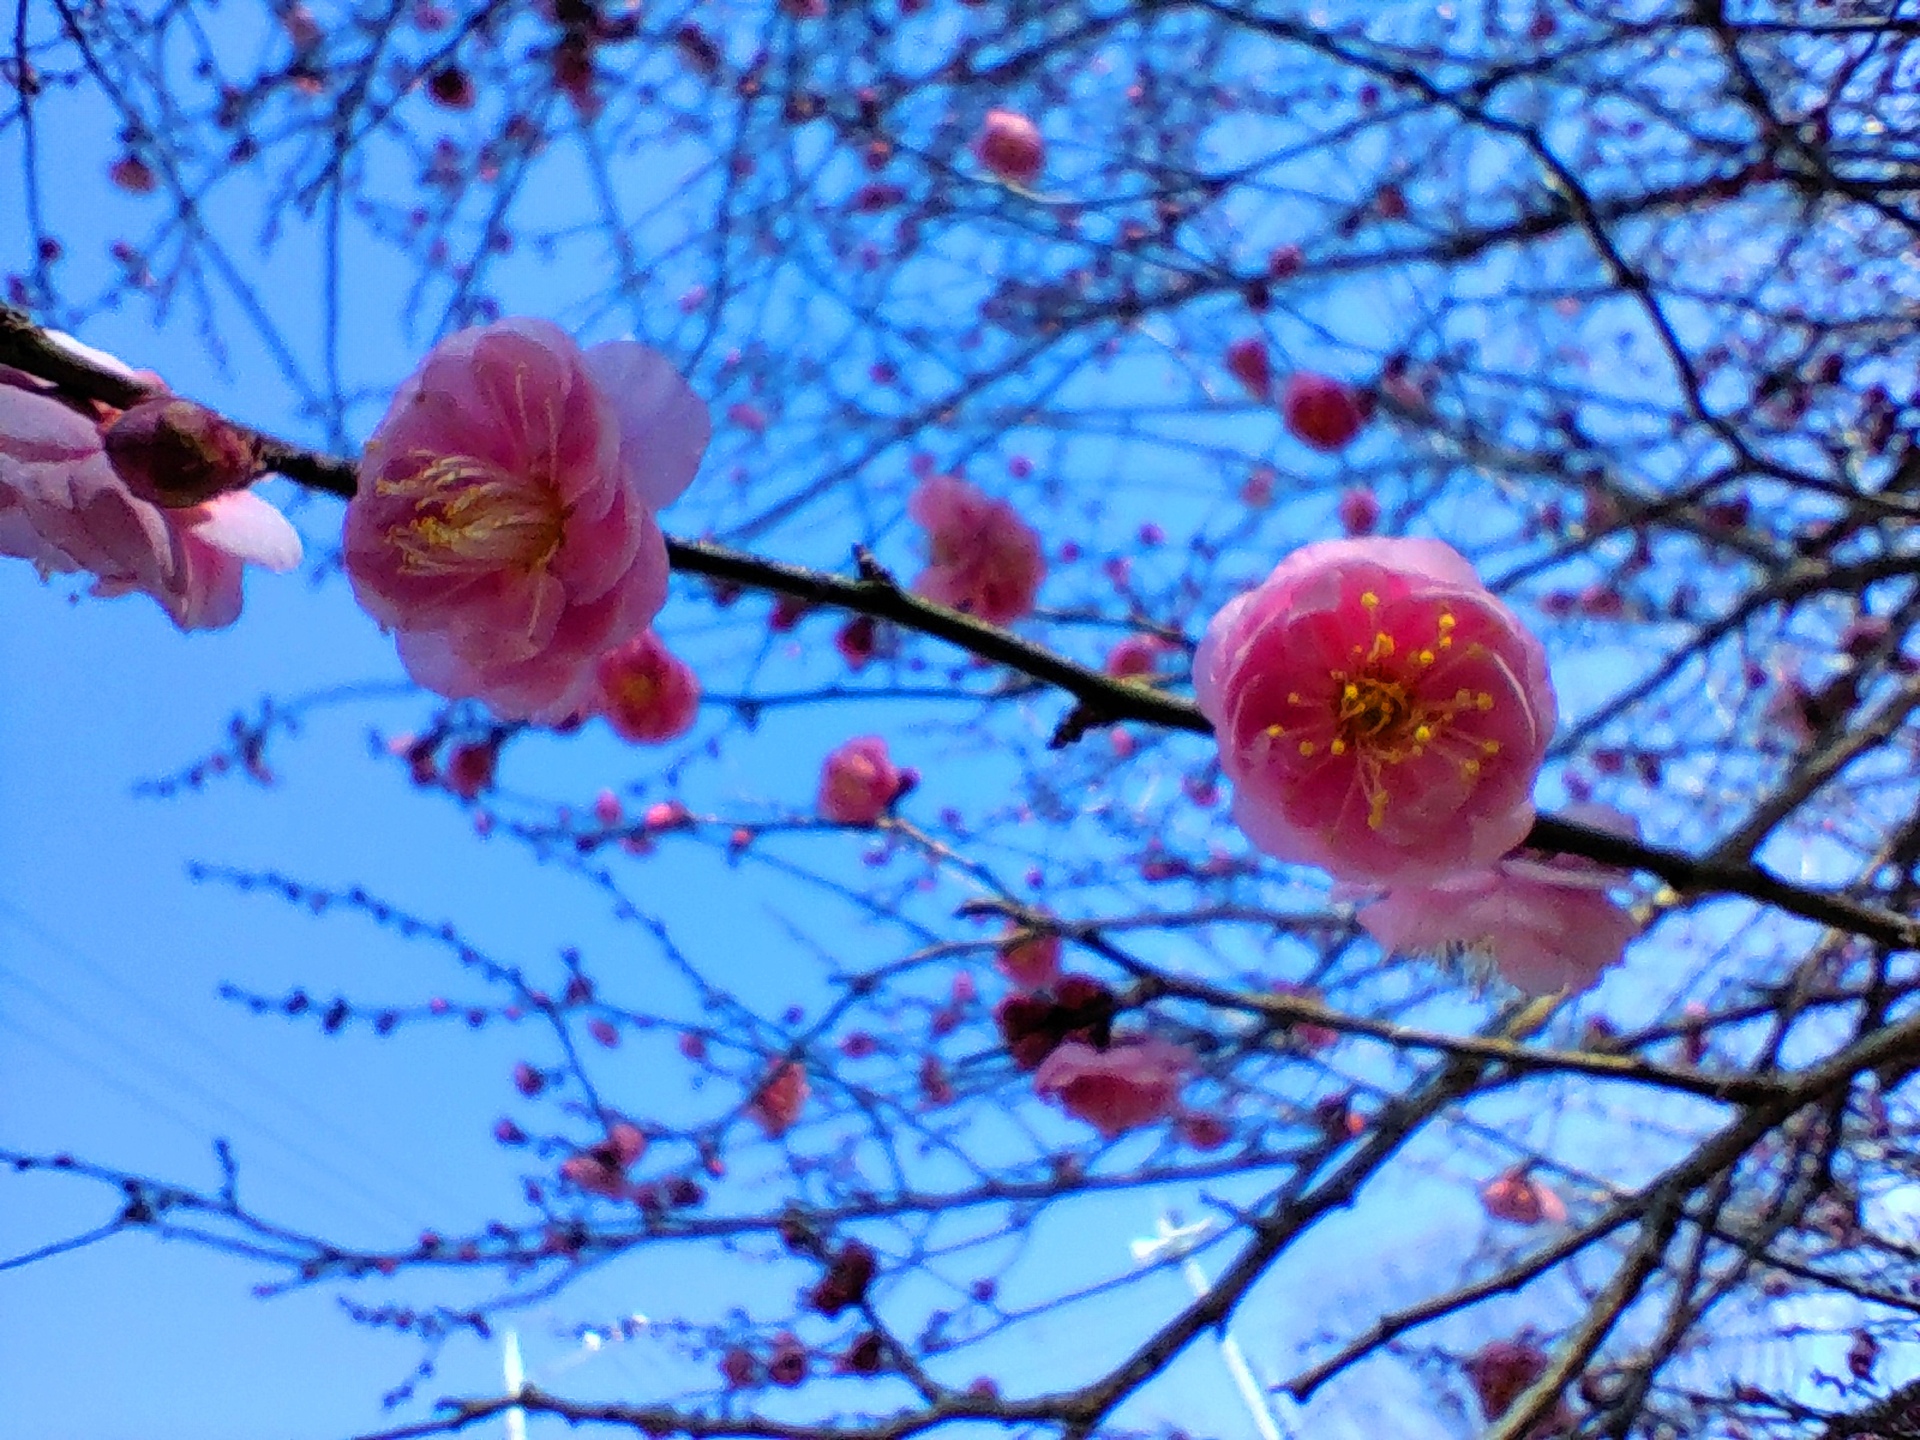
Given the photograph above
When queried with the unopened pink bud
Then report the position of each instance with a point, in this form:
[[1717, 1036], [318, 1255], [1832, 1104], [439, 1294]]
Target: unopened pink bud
[[176, 453], [1010, 146]]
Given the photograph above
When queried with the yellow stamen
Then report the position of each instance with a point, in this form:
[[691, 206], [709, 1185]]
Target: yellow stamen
[[469, 517]]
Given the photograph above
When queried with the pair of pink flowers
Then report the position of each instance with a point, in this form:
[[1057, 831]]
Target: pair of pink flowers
[[65, 508], [504, 526], [1383, 715]]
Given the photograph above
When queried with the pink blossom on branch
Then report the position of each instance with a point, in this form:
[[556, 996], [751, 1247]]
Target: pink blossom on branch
[[504, 526], [983, 558], [1545, 925], [780, 1098], [1135, 1083], [859, 782], [1519, 1199], [1503, 1370], [648, 694], [1380, 713], [63, 508]]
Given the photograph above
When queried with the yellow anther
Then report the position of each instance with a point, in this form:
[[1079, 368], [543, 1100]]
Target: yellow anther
[[1338, 747], [1369, 599], [1470, 768], [1423, 733], [1307, 747], [1425, 657], [1350, 691], [1483, 701], [1446, 621], [1274, 732]]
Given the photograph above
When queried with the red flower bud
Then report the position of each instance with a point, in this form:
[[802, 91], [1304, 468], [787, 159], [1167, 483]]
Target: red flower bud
[[177, 454]]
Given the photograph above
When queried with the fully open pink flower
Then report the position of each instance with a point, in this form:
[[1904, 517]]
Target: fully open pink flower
[[859, 782], [63, 508], [647, 693], [1135, 1083], [984, 558], [505, 521], [1546, 925], [1380, 713]]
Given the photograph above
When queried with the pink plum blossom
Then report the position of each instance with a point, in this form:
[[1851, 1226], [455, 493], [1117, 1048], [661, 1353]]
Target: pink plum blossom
[[504, 526], [1380, 713], [1546, 925], [984, 558], [1134, 1083], [780, 1098], [1519, 1199], [648, 694], [64, 509], [859, 782]]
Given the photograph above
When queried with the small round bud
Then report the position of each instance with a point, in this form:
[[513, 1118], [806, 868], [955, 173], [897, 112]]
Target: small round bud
[[176, 453]]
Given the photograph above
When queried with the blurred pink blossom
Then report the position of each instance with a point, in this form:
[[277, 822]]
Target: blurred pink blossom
[[1519, 1199], [984, 559], [602, 1169], [1322, 412], [63, 508], [783, 1093], [1009, 145], [647, 693], [504, 526], [1502, 1370], [1134, 1083], [1137, 656], [1380, 713], [859, 782], [1546, 925], [1029, 959]]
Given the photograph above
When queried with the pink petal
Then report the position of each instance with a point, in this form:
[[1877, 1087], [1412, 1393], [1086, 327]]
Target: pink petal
[[664, 426], [245, 527]]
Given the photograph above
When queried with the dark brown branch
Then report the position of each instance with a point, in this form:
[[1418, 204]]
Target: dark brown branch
[[1101, 698]]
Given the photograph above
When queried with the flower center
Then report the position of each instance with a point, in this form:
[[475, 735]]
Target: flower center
[[1382, 712], [471, 518], [1372, 708], [637, 690]]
